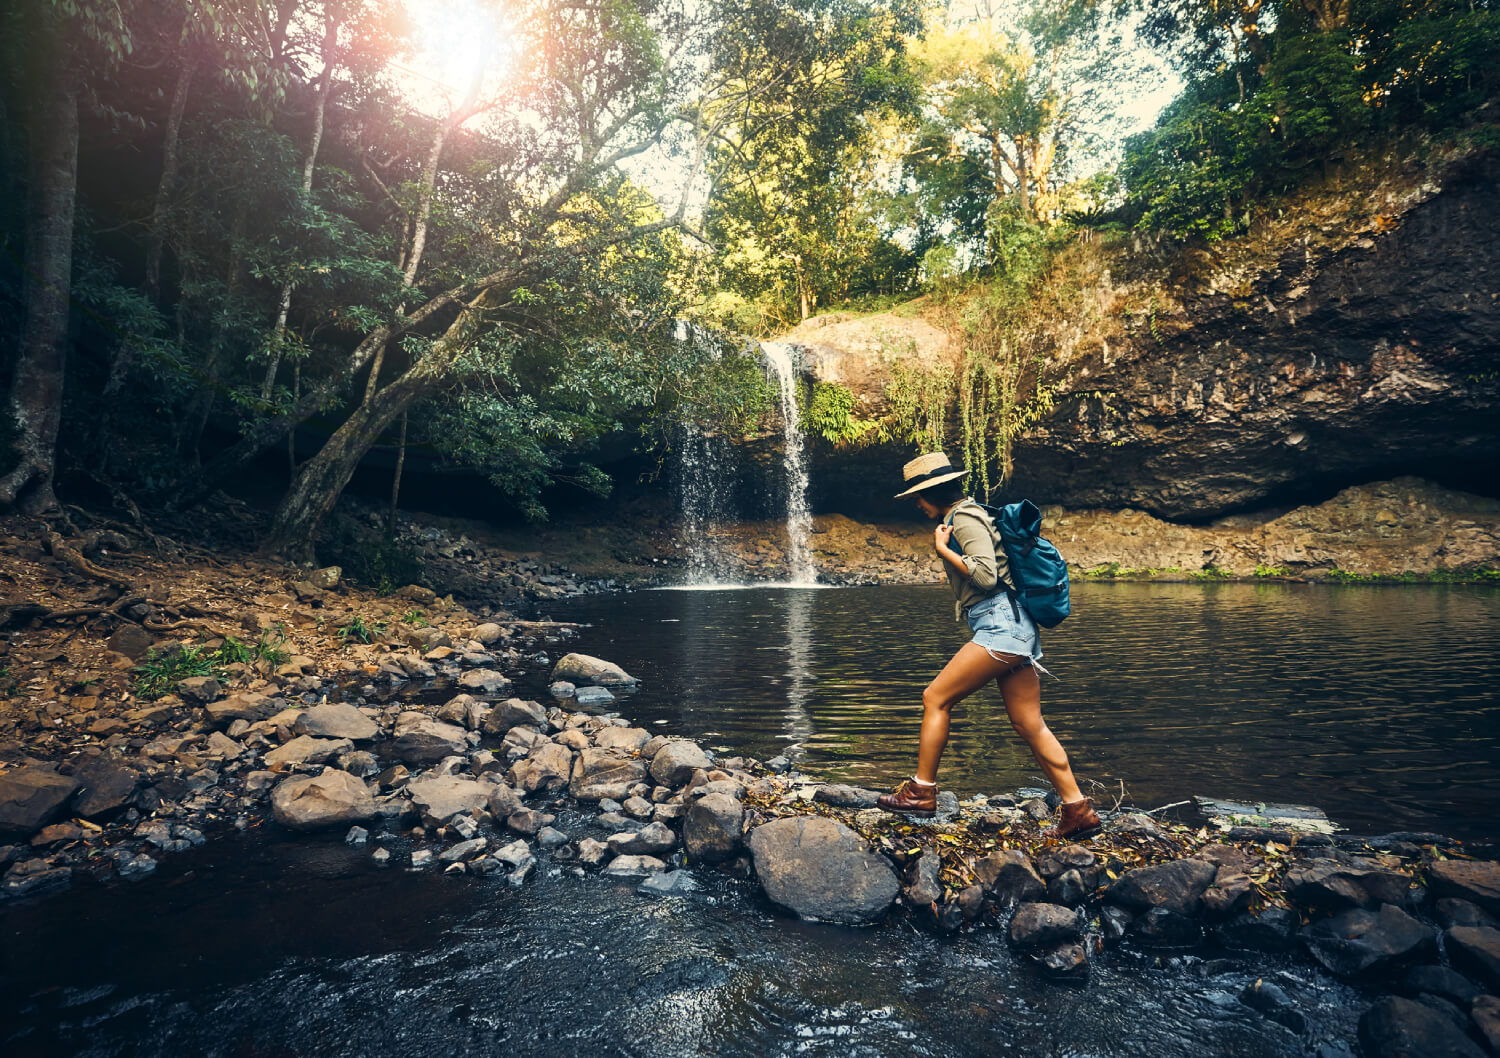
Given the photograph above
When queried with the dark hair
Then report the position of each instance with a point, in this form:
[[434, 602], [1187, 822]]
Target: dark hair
[[944, 493]]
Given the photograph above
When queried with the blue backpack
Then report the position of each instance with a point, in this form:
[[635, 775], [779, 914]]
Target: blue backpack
[[1038, 574]]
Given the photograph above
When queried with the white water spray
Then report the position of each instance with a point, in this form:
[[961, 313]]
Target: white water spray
[[798, 515]]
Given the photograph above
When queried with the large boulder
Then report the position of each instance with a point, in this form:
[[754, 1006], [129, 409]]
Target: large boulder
[[712, 826], [514, 712], [675, 762], [821, 870], [104, 787], [629, 739], [1177, 886], [581, 670], [1359, 942], [546, 769], [601, 773], [1477, 881], [304, 749], [422, 740], [1336, 886], [440, 798], [336, 720], [1035, 925], [30, 798], [1400, 1028], [247, 705], [1476, 949], [334, 798], [1008, 877]]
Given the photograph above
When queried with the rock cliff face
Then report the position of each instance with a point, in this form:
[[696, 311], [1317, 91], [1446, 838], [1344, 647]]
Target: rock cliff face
[[1355, 341], [1335, 365]]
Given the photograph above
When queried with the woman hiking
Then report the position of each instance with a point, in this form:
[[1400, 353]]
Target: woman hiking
[[1005, 648]]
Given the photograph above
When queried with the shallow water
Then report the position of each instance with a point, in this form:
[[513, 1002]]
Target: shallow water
[[1380, 705]]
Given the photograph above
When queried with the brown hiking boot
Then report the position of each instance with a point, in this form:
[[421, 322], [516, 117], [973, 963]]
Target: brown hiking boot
[[1078, 818], [911, 799]]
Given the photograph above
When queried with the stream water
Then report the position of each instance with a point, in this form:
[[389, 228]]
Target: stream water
[[1378, 704]]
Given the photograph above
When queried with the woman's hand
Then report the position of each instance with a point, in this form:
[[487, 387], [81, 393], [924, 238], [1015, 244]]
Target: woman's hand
[[940, 536]]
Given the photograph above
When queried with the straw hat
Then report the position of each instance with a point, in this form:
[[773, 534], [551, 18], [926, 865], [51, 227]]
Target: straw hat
[[926, 471]]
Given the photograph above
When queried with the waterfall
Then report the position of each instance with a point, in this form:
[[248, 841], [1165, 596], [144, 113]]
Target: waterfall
[[798, 515], [705, 462]]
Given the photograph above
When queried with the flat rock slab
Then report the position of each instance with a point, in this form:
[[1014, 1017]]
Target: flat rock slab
[[1476, 949], [422, 740], [336, 720], [583, 670], [484, 681], [103, 787], [440, 798], [1475, 881], [601, 773], [821, 870], [1360, 942], [334, 798], [841, 796], [1226, 814], [30, 798], [626, 739], [247, 705], [1400, 1028]]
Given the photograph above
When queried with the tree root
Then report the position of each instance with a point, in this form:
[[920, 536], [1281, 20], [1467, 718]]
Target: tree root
[[59, 548]]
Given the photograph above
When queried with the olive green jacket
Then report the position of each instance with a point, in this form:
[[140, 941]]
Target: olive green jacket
[[988, 569]]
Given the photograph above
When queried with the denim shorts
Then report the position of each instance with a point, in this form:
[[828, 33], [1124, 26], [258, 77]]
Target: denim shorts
[[1002, 628]]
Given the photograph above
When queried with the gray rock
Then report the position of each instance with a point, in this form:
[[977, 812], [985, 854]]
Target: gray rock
[[504, 800], [1273, 1002], [422, 740], [593, 696], [1476, 949], [421, 858], [1162, 927], [1177, 885], [131, 640], [1486, 1016], [1036, 924], [517, 878], [514, 712], [841, 796], [652, 838], [925, 887], [592, 852], [246, 705], [335, 720], [603, 773], [1067, 960], [331, 799], [1359, 942], [356, 837], [1452, 911], [638, 807], [514, 854], [1229, 894], [712, 827], [439, 799], [34, 876], [625, 739], [327, 578], [464, 850], [675, 762], [1273, 929], [1441, 981], [1052, 862], [30, 798], [821, 870], [359, 763], [1399, 1028], [1335, 886], [562, 689], [1477, 881], [381, 857], [634, 866], [547, 769], [487, 634], [104, 787], [134, 867], [1008, 877], [1067, 889], [526, 821], [670, 883], [199, 690], [305, 749], [551, 838], [582, 670], [484, 681]]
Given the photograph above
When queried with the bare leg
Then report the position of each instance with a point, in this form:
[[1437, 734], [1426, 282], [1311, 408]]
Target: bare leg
[[970, 669], [1022, 689]]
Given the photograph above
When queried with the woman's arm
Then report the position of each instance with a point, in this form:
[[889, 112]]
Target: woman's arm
[[977, 562]]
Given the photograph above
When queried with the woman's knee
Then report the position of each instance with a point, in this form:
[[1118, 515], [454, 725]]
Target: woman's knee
[[934, 698], [1030, 728]]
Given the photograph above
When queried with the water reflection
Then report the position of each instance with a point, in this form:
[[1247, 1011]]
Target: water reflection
[[1378, 704]]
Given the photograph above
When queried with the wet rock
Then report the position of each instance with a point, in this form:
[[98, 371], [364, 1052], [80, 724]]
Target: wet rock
[[134, 867], [575, 740], [638, 807], [487, 634], [356, 837], [652, 838], [1485, 1015], [1068, 960], [305, 749], [55, 833], [422, 740], [1009, 877], [1114, 922], [199, 690], [1229, 894], [1053, 862], [1035, 925], [1441, 981], [603, 773], [487, 682], [381, 857], [551, 838], [359, 763], [439, 799], [970, 902], [30, 798], [1177, 885], [840, 796], [1335, 886], [1162, 927], [464, 850], [592, 852], [711, 829], [520, 741], [1360, 942], [103, 787], [517, 878], [821, 870], [1400, 1028], [515, 854], [1273, 929], [625, 739], [1272, 1001], [547, 768], [1451, 911], [671, 883], [1476, 950], [562, 689], [582, 670], [1477, 881], [421, 858], [526, 821], [675, 762], [1067, 888], [333, 798], [515, 712], [34, 876], [246, 705], [593, 696], [335, 720], [634, 866], [924, 885], [504, 801]]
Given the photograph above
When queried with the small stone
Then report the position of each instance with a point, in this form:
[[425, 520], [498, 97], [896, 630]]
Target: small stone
[[592, 852], [381, 857], [421, 858], [1275, 1004], [514, 854], [562, 689], [1067, 889], [464, 850], [634, 866], [357, 836], [675, 762], [551, 838], [669, 883]]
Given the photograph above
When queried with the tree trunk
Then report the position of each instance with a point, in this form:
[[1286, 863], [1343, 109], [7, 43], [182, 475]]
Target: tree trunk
[[309, 165], [168, 182], [36, 389], [195, 417], [396, 478]]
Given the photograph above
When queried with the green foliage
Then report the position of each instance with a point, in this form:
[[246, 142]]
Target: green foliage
[[829, 413], [415, 617], [1262, 570], [381, 561], [359, 631], [1211, 572], [162, 670], [919, 399]]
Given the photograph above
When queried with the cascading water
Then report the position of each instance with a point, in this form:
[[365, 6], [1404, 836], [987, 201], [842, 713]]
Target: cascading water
[[705, 461], [798, 515]]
